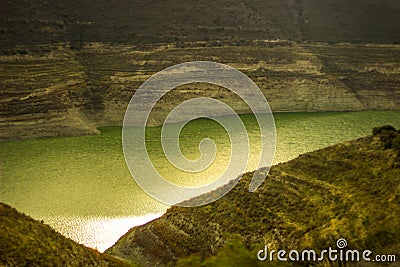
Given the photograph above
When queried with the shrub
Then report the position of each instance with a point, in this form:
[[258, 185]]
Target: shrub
[[384, 128], [386, 135], [233, 253], [396, 145]]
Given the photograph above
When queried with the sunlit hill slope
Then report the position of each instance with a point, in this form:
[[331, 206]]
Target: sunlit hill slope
[[349, 190]]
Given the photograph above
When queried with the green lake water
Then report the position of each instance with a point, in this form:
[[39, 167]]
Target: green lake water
[[81, 186]]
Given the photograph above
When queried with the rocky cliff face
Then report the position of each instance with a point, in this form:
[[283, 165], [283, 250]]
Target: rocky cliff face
[[349, 190], [53, 90]]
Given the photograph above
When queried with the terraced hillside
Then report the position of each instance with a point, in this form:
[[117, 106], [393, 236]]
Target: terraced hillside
[[53, 90], [349, 190], [42, 94]]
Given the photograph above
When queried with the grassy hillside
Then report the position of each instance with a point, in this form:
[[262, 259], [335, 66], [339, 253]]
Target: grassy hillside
[[349, 190], [139, 21], [26, 242]]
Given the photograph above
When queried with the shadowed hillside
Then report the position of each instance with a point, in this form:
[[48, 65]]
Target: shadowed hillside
[[151, 21], [26, 242], [349, 190]]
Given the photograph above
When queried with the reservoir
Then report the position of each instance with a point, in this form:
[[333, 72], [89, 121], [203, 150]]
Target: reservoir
[[82, 187]]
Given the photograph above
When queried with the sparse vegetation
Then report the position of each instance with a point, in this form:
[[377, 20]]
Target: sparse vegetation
[[139, 22], [70, 92], [67, 67], [26, 242], [389, 137], [396, 145], [383, 129], [232, 253], [349, 190]]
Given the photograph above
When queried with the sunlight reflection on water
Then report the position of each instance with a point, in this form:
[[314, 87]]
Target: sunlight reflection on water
[[97, 232], [82, 188]]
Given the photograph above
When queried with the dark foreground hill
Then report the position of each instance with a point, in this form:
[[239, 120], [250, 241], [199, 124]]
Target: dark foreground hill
[[150, 21], [350, 190], [26, 242]]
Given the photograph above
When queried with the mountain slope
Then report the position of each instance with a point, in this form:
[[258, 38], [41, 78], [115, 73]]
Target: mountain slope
[[139, 21], [350, 20], [26, 242], [56, 91], [350, 190]]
